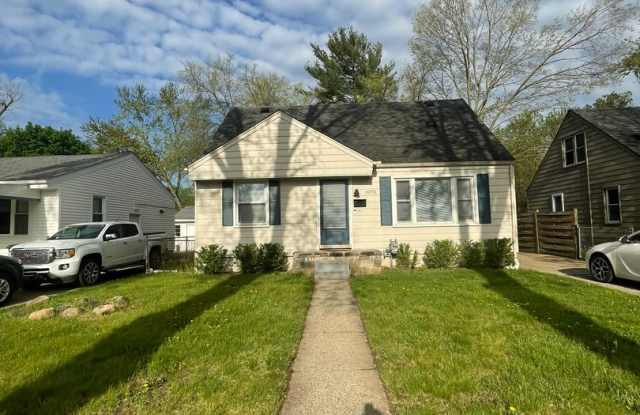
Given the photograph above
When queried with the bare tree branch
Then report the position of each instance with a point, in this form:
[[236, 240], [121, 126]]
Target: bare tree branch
[[498, 56], [10, 94]]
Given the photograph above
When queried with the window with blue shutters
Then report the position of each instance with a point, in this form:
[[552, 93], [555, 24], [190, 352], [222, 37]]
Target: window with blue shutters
[[433, 200]]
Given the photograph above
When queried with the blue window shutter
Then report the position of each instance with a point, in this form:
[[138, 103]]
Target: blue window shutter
[[274, 202], [227, 203], [484, 198], [386, 205]]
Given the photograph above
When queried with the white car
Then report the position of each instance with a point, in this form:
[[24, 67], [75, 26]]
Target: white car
[[81, 252], [619, 259]]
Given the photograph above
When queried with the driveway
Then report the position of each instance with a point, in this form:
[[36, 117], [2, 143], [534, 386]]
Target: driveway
[[571, 268]]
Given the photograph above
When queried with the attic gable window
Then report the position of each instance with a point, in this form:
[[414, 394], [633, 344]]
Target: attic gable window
[[574, 149]]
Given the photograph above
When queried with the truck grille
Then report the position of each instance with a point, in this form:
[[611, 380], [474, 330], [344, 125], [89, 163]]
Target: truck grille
[[32, 256]]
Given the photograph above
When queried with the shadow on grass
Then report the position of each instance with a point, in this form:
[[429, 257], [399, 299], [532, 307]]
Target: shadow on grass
[[619, 351], [114, 359]]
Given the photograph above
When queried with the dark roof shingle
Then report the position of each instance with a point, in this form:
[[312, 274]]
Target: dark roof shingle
[[49, 167], [621, 124], [390, 132], [186, 213]]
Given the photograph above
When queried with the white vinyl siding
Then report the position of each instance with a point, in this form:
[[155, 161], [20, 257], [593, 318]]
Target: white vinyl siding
[[300, 229], [280, 147], [42, 218], [127, 188]]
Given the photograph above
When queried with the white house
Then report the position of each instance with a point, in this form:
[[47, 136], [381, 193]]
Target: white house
[[39, 195], [353, 177], [185, 230]]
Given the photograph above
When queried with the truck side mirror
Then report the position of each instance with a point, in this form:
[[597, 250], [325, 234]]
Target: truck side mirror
[[110, 236]]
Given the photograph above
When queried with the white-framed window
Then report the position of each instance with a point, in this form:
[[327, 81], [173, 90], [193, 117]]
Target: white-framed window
[[574, 150], [434, 200], [251, 203], [612, 205], [557, 202], [97, 211]]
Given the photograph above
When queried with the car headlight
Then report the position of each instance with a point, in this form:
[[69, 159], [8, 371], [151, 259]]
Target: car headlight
[[65, 253]]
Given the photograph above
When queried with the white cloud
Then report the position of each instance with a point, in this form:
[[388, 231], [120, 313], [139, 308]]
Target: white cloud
[[39, 106]]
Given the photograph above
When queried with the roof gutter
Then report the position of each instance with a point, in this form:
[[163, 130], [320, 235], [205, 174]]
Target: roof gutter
[[26, 182], [444, 164]]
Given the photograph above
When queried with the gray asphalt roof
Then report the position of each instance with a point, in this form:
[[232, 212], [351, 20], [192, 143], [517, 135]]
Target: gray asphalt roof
[[49, 167], [622, 124], [186, 213], [391, 132]]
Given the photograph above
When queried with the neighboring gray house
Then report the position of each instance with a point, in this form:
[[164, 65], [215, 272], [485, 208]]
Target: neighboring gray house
[[38, 195], [185, 229], [593, 165]]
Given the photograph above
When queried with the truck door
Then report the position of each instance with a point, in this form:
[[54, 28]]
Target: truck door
[[135, 243], [115, 250]]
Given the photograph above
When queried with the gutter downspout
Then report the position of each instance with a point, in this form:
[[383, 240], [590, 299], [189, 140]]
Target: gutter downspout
[[586, 150]]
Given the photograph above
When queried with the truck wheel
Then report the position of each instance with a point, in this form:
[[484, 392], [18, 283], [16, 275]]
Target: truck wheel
[[89, 272], [7, 287], [155, 259]]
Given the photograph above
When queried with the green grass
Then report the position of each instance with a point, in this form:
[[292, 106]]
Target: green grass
[[185, 344], [483, 341]]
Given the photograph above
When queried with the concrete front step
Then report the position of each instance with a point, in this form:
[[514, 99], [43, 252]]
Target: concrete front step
[[332, 269]]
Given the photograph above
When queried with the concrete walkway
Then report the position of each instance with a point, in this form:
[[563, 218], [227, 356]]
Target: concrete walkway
[[334, 372], [572, 268]]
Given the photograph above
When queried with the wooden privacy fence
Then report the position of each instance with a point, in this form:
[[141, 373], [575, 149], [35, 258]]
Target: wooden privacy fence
[[549, 233]]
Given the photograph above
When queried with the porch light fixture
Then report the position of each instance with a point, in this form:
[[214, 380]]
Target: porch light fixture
[[356, 194]]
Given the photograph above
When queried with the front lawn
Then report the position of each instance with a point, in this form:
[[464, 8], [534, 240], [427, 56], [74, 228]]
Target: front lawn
[[185, 344], [490, 341]]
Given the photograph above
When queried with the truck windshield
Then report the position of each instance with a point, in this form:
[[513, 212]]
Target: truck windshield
[[78, 232]]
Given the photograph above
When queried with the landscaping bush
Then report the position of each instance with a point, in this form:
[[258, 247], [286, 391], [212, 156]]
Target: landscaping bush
[[403, 256], [179, 261], [212, 259], [471, 254], [271, 257], [441, 254], [498, 253], [246, 255]]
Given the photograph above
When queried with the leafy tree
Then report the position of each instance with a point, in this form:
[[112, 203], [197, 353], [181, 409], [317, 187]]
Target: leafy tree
[[351, 69], [37, 140], [167, 131], [499, 56], [527, 136], [612, 100], [224, 83], [631, 63]]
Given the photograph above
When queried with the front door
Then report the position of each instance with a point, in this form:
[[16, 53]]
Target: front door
[[334, 212]]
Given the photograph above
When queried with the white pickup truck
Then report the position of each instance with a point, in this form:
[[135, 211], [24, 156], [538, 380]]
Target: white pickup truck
[[81, 252]]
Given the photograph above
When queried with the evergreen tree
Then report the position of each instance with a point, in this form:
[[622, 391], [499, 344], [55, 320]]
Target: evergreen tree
[[351, 69]]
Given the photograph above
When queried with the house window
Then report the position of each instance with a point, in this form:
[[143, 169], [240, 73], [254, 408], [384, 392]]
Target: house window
[[613, 211], [465, 199], [177, 230], [557, 202], [252, 203], [434, 200], [21, 218], [5, 216], [98, 209], [574, 149], [403, 201]]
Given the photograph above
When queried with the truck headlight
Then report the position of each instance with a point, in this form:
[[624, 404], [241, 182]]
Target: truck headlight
[[65, 253]]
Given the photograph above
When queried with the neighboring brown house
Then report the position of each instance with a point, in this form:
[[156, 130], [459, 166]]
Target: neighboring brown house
[[593, 165]]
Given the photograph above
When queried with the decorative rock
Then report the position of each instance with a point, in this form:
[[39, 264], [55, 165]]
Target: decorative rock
[[119, 302], [70, 312], [39, 299], [104, 309], [43, 314]]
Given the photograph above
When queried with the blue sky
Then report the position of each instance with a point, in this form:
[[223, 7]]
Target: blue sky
[[69, 55]]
